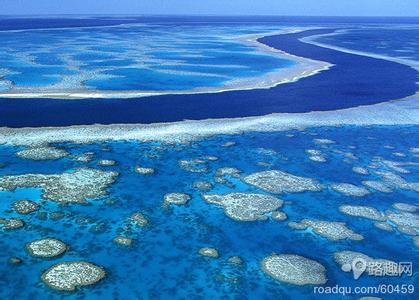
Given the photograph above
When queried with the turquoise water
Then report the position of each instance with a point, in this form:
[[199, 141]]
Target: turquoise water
[[164, 261], [134, 57]]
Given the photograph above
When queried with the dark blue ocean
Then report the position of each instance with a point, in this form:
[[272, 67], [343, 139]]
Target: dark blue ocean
[[353, 80]]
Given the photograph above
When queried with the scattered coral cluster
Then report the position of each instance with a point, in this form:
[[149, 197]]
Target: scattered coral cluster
[[251, 197]]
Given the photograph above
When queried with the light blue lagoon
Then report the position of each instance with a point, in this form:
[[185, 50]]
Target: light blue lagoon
[[137, 57], [164, 261]]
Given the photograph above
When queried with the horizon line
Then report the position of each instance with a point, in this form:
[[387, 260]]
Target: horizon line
[[207, 15]]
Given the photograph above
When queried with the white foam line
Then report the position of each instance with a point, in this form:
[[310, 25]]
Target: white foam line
[[401, 112]]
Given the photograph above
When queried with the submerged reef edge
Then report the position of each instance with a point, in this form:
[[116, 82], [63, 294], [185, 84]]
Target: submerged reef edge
[[399, 112]]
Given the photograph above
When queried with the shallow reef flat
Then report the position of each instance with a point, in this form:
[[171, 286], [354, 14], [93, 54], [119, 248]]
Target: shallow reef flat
[[400, 216], [406, 222], [362, 211], [278, 182], [12, 223], [221, 216], [331, 230], [25, 207], [176, 198], [73, 187], [294, 269], [46, 248], [68, 276], [245, 206], [173, 59], [42, 152], [406, 207], [349, 189], [209, 252], [346, 258]]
